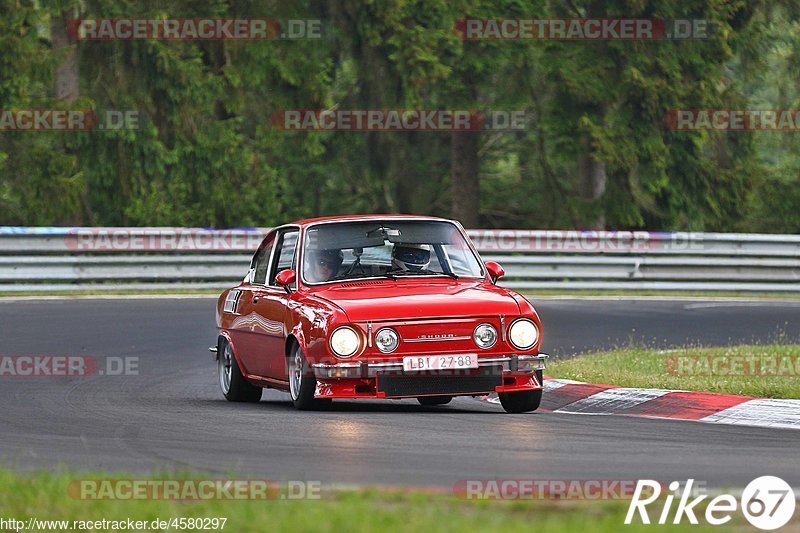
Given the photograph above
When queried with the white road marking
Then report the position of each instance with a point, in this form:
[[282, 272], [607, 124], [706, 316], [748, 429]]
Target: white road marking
[[611, 401], [764, 412], [553, 384], [772, 413]]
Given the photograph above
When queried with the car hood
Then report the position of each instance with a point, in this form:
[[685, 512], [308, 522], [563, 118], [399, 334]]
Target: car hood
[[411, 299]]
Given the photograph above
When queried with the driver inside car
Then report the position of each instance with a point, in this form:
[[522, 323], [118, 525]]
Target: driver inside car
[[411, 257], [322, 265]]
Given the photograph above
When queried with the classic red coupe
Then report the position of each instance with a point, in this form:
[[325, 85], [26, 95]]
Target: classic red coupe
[[377, 306]]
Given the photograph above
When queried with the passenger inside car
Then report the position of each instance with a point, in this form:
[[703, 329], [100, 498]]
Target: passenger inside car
[[323, 265]]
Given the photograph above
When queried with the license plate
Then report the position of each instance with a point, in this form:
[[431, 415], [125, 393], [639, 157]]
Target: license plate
[[439, 362]]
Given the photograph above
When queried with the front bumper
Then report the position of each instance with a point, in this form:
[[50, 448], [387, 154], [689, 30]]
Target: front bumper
[[511, 373], [363, 369]]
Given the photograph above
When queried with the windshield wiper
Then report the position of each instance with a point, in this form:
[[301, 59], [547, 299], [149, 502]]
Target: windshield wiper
[[424, 271]]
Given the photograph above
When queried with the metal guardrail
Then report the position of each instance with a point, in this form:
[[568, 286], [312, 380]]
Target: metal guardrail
[[56, 259]]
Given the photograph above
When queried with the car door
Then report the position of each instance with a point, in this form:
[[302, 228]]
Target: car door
[[270, 308], [243, 326]]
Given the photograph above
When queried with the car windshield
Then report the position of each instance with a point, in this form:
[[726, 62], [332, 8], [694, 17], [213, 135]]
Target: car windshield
[[392, 248]]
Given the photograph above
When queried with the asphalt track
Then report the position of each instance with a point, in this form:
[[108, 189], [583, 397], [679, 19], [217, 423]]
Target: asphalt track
[[172, 416]]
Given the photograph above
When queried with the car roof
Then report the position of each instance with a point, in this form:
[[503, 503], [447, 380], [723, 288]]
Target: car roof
[[346, 218]]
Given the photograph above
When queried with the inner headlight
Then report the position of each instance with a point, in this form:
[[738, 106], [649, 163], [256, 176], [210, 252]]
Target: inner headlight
[[387, 340], [485, 336], [523, 334], [345, 341]]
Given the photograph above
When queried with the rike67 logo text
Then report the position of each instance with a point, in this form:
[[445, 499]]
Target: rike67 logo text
[[767, 502]]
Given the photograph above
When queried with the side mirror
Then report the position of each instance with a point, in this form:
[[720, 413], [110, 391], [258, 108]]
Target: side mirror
[[285, 278], [495, 271]]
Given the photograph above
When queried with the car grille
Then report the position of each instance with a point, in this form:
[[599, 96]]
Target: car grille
[[399, 385]]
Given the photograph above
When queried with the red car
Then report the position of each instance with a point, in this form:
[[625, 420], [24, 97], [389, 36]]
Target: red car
[[377, 306]]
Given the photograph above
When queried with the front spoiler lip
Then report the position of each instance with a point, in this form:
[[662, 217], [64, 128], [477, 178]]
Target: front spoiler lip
[[363, 369]]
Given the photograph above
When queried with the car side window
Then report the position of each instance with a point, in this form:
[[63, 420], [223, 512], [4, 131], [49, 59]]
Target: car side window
[[261, 262], [284, 254]]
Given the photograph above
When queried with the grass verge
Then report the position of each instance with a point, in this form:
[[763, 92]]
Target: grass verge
[[768, 371], [45, 496]]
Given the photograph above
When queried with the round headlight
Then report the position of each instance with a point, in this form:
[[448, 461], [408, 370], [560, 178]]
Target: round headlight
[[387, 340], [523, 334], [485, 336], [345, 341]]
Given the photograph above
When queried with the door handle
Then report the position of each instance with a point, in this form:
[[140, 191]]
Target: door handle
[[257, 296]]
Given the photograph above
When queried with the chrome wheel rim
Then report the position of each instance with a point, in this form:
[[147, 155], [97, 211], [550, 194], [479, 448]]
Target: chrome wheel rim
[[225, 368], [295, 373]]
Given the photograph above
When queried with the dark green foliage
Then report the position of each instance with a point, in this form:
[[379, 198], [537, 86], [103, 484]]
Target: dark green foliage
[[205, 153]]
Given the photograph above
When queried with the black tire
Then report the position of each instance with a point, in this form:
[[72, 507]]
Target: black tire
[[234, 387], [521, 402], [303, 399], [429, 401]]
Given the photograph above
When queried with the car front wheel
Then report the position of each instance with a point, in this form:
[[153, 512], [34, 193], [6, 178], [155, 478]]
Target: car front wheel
[[521, 402], [234, 387], [302, 383]]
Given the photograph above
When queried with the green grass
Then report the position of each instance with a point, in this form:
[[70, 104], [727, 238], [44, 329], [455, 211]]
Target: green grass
[[44, 495], [686, 369]]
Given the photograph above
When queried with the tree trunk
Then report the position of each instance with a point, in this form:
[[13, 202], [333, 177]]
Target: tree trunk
[[67, 80], [591, 186], [465, 167]]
